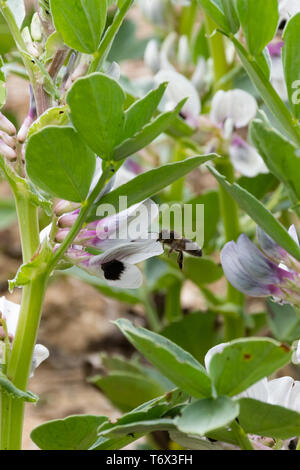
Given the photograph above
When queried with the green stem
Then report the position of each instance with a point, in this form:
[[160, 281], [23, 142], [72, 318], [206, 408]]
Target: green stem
[[21, 355], [241, 436], [151, 313], [217, 50], [187, 19], [105, 45], [234, 327], [173, 310]]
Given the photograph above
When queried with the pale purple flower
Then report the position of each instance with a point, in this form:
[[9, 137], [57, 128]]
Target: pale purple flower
[[256, 274]]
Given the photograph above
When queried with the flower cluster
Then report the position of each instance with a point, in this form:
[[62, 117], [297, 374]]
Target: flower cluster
[[111, 247]]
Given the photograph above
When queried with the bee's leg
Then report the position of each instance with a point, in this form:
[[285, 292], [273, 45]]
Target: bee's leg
[[171, 251], [180, 260]]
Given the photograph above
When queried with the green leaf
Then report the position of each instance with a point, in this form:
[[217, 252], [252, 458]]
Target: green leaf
[[176, 364], [56, 116], [260, 215], [230, 10], [214, 10], [96, 104], [72, 433], [257, 417], [244, 362], [130, 296], [135, 388], [283, 321], [145, 136], [151, 182], [201, 271], [80, 22], [195, 333], [267, 92], [11, 390], [59, 163], [291, 62], [259, 21], [204, 416], [279, 155], [141, 112], [260, 185]]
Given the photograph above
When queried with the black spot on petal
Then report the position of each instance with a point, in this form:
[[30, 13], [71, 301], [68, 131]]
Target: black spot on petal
[[113, 270]]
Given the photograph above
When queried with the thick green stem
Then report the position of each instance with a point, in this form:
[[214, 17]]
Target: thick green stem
[[21, 355]]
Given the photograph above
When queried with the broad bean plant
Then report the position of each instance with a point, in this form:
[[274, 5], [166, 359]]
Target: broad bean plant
[[209, 132]]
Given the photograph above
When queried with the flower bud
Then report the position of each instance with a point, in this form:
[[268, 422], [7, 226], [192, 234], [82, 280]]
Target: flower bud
[[183, 54], [68, 220], [36, 28], [8, 140], [152, 56], [6, 125], [63, 207], [7, 151], [32, 50]]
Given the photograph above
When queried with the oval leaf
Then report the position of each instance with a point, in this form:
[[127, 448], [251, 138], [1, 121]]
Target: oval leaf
[[204, 416], [72, 433], [80, 22], [96, 104], [59, 163], [176, 364], [244, 362]]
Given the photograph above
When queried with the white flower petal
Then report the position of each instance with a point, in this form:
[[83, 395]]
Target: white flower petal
[[258, 391], [279, 391], [294, 397], [179, 87], [10, 312], [133, 252], [131, 278], [40, 354], [245, 159], [293, 233], [151, 55], [288, 8], [277, 78], [237, 105]]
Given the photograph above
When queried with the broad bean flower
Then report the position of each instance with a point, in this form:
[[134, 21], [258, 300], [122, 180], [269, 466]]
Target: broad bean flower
[[121, 240], [9, 317], [270, 272], [232, 111]]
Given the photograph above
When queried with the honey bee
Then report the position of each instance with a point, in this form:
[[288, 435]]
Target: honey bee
[[180, 245]]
